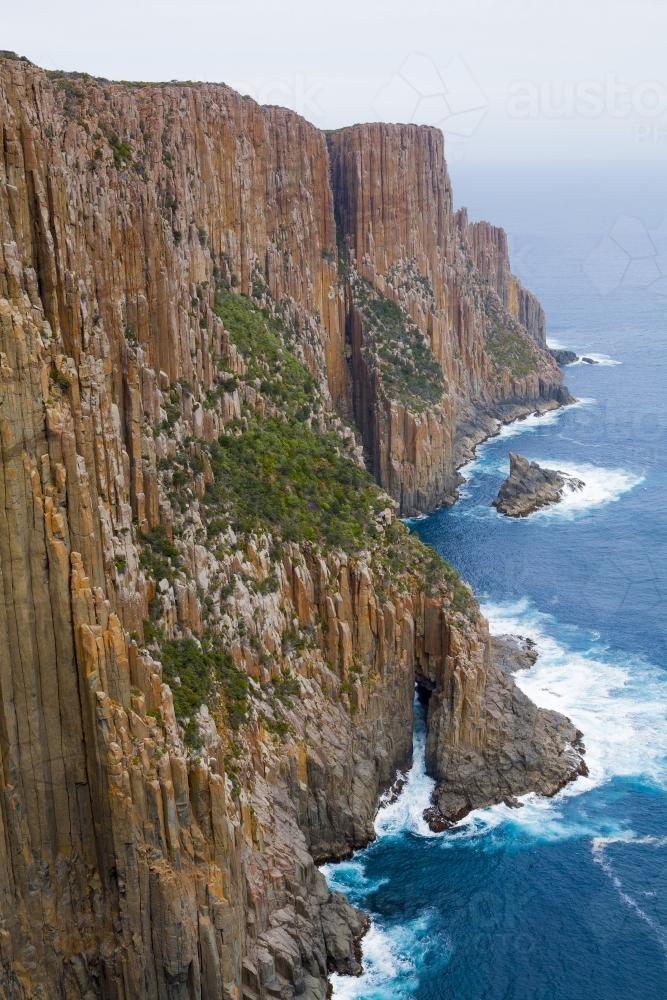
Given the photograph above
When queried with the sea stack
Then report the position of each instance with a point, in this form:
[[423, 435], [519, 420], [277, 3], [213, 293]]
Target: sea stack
[[530, 487]]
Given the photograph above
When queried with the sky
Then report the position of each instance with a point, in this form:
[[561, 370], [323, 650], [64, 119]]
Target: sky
[[508, 81], [544, 103]]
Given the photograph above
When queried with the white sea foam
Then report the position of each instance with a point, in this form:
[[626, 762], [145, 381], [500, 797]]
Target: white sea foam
[[405, 813], [558, 345], [618, 701], [389, 952], [389, 962], [600, 359], [601, 486], [533, 422], [350, 877]]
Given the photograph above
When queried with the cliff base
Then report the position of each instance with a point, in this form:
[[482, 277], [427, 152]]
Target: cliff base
[[525, 748]]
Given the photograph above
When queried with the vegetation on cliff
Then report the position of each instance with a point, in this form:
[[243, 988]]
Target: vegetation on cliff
[[508, 346], [197, 671], [285, 477], [304, 484], [407, 367], [260, 337], [280, 471]]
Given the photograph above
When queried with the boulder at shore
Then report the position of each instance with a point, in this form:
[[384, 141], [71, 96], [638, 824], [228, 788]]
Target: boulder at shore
[[529, 487], [562, 356]]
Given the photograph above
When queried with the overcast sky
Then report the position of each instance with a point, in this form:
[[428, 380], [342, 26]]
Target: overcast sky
[[545, 81]]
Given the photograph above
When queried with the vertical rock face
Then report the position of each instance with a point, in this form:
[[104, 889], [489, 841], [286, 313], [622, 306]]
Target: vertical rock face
[[124, 195], [394, 211], [193, 710]]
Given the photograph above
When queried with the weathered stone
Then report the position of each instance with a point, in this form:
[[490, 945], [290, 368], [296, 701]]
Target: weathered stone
[[131, 863], [530, 487]]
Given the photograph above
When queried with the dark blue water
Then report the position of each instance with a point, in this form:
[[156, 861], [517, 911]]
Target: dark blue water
[[565, 899]]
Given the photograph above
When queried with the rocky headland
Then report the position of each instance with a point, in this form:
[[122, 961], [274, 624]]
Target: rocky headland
[[524, 749], [233, 350], [529, 487]]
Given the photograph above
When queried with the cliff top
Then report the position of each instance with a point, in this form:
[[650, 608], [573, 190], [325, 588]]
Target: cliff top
[[80, 75]]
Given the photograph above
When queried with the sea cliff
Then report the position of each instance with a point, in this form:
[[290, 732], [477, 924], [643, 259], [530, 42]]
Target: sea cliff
[[233, 349]]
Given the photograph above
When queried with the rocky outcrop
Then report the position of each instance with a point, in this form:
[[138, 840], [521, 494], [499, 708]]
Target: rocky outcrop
[[486, 741], [507, 748], [513, 652], [530, 487], [563, 356], [200, 696]]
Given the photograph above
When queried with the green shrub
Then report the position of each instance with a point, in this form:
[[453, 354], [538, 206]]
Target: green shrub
[[269, 585], [286, 687], [284, 477], [509, 349], [403, 560], [260, 338], [122, 153], [198, 672], [60, 379], [159, 557], [277, 727], [409, 371], [153, 633]]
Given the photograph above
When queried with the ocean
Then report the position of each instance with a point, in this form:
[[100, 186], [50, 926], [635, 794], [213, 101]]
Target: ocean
[[565, 898]]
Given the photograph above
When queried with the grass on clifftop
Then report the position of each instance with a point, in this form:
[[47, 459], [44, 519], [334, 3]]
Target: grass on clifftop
[[408, 368]]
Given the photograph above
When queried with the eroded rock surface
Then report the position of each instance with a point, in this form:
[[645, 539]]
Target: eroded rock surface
[[524, 749], [206, 672], [529, 487], [486, 741], [513, 652]]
